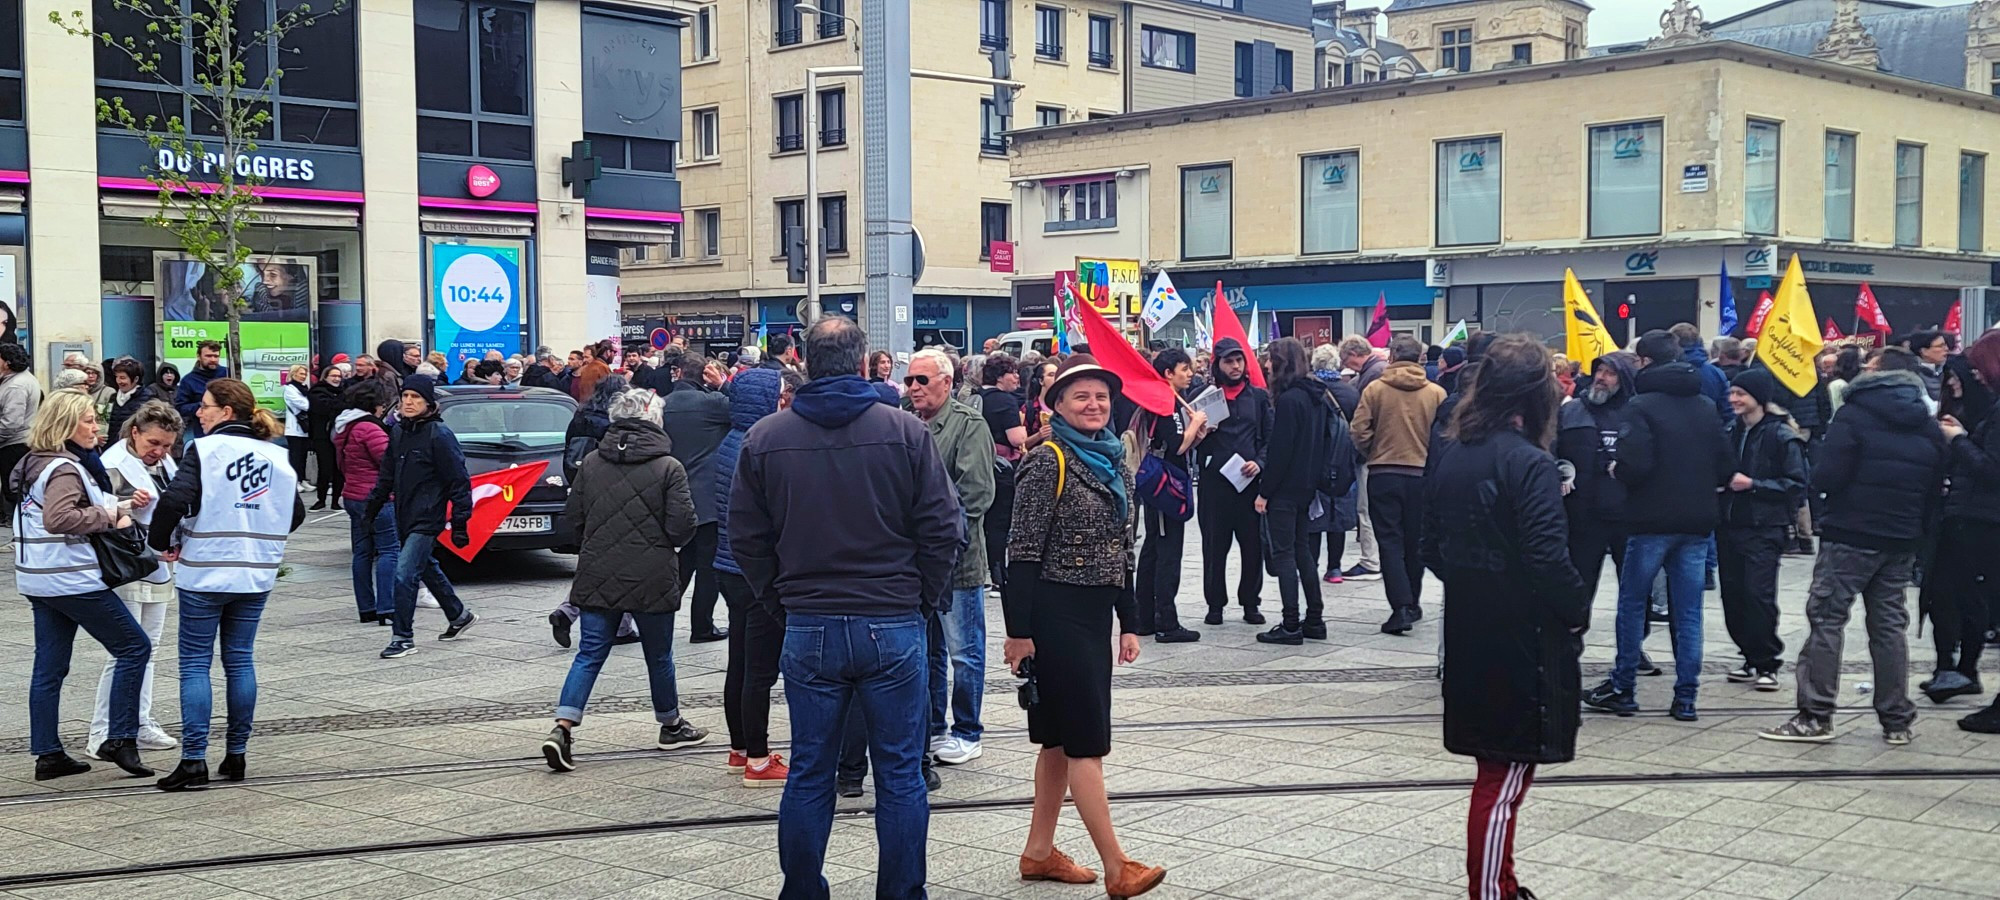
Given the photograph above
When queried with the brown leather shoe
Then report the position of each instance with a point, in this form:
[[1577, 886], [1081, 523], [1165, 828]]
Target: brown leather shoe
[[1057, 867], [1133, 878]]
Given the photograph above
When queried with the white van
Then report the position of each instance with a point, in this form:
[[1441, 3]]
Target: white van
[[1015, 343]]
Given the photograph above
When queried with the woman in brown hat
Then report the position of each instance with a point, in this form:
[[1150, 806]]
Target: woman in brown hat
[[1069, 567]]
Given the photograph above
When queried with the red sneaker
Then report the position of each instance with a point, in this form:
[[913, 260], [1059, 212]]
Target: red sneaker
[[771, 774], [1333, 578], [737, 761]]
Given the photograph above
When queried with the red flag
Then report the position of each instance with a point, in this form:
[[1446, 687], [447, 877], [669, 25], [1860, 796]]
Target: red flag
[[1954, 321], [1832, 330], [494, 495], [1764, 304], [1226, 326], [1378, 327], [1142, 385], [1869, 312]]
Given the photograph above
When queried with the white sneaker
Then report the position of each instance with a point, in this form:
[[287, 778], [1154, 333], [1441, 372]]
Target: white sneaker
[[153, 737], [940, 742], [958, 752], [425, 600]]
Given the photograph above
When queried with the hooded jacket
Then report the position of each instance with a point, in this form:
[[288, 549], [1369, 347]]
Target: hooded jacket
[[424, 473], [1587, 437], [389, 355], [1300, 451], [631, 509], [842, 507], [187, 397], [1882, 464], [1247, 431], [1672, 456], [361, 443], [1392, 429], [752, 396], [1714, 384]]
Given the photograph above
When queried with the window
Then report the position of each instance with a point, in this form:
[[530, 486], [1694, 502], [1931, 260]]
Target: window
[[1996, 79], [11, 103], [1048, 32], [832, 19], [1761, 145], [1468, 192], [701, 35], [1839, 186], [1572, 39], [704, 135], [992, 227], [1206, 228], [709, 223], [1909, 195], [1330, 202], [791, 214], [1080, 204], [788, 25], [1524, 54], [627, 154], [790, 118], [1048, 115], [833, 117], [674, 247], [1455, 49], [991, 128], [1625, 173], [1222, 4], [473, 68], [1283, 82], [1160, 48], [316, 98], [1971, 202], [833, 221], [1100, 42], [993, 24], [1246, 69]]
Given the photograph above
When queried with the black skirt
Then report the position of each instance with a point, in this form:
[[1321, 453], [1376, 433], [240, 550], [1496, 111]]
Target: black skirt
[[1073, 668]]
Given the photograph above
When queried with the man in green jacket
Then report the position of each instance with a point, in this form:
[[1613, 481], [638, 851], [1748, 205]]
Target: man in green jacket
[[966, 446]]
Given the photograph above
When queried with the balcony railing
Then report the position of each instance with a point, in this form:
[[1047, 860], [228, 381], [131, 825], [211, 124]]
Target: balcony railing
[[992, 41], [790, 142], [994, 144], [789, 36], [1048, 51], [832, 26], [1100, 58], [833, 137]]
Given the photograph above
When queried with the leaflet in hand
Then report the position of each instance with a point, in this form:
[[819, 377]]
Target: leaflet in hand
[[1211, 403], [1233, 470]]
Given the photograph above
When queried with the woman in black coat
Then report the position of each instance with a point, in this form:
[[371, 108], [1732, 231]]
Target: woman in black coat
[[1496, 535], [1964, 578], [325, 405]]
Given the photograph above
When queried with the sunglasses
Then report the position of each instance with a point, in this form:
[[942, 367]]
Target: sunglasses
[[914, 380]]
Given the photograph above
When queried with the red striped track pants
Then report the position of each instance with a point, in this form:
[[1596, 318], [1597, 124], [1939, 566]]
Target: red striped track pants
[[1489, 832]]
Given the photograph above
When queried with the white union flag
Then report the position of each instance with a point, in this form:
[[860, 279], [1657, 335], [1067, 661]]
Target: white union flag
[[1163, 303]]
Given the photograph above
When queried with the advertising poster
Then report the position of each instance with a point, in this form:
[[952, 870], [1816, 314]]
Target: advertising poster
[[275, 322], [476, 303], [601, 292]]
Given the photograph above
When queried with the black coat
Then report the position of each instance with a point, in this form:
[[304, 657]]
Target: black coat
[[425, 475], [1587, 437], [1495, 533], [324, 406], [1774, 457], [1672, 456], [1299, 448], [630, 507], [1975, 471], [697, 421], [1247, 432], [115, 428], [1882, 466]]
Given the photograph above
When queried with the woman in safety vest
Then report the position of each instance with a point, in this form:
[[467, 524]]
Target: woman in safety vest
[[65, 495], [224, 521], [141, 465]]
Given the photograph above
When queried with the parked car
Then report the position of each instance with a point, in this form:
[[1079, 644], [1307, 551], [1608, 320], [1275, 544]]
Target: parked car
[[499, 428], [1015, 343]]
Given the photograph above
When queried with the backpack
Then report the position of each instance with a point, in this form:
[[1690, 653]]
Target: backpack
[[1164, 488]]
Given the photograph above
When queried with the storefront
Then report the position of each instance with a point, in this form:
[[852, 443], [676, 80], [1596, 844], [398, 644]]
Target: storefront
[[1916, 293], [480, 283], [1318, 303], [780, 315]]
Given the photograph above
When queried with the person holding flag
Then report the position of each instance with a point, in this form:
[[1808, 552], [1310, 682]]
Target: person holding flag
[[424, 475]]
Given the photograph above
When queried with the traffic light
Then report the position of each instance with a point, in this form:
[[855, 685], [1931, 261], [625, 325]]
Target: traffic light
[[795, 254], [1623, 311]]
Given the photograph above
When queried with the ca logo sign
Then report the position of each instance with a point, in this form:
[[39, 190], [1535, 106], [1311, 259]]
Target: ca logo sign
[[1642, 263]]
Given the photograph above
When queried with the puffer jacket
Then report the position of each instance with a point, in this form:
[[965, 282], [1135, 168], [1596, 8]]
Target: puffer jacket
[[1975, 471], [631, 510], [1882, 466], [1672, 456], [362, 443], [752, 396]]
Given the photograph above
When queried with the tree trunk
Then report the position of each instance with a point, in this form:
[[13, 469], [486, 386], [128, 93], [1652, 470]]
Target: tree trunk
[[233, 302]]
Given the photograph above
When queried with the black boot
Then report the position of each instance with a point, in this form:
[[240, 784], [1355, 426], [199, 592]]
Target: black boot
[[58, 765], [125, 753], [190, 775], [232, 767]]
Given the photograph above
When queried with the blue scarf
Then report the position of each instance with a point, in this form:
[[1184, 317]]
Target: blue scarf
[[1100, 453]]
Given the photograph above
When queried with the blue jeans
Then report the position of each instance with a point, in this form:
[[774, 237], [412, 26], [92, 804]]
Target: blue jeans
[[656, 636], [375, 554], [831, 663], [1683, 557], [234, 617], [415, 563], [959, 637], [104, 617]]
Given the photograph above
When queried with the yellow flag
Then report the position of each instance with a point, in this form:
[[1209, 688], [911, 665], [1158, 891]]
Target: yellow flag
[[1791, 337], [1588, 338]]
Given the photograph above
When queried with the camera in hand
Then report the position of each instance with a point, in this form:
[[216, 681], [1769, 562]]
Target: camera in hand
[[1028, 693]]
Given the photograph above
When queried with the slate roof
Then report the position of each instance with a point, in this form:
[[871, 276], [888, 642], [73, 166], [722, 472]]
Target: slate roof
[[1927, 44]]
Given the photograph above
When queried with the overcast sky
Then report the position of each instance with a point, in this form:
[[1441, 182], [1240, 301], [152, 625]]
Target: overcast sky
[[1625, 21]]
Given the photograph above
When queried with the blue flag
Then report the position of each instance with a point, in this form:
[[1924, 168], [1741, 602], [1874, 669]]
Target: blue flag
[[1728, 302]]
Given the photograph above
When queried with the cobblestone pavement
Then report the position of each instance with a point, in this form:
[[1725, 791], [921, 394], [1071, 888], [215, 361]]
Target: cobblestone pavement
[[1264, 772]]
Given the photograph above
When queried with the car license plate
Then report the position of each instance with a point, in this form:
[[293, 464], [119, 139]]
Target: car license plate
[[524, 524]]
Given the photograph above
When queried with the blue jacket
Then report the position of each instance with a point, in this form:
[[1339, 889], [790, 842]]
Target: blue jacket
[[752, 396], [425, 471], [1714, 384], [187, 397]]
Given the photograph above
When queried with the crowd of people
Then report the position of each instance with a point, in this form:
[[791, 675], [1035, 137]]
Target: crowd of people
[[1505, 472]]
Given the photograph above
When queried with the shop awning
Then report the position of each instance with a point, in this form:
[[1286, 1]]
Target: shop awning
[[298, 215]]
